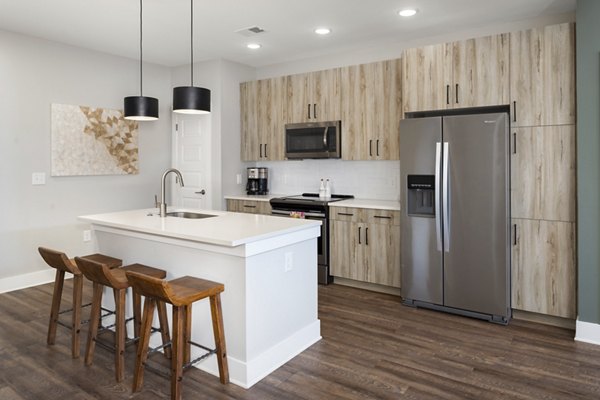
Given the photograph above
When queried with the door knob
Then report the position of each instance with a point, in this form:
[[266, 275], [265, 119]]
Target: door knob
[[201, 192]]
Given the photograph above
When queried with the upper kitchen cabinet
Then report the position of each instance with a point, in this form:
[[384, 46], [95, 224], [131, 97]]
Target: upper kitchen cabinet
[[468, 73], [425, 73], [263, 113], [371, 110], [542, 69], [314, 96]]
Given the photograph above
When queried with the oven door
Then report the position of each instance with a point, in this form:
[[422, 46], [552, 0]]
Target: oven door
[[322, 240]]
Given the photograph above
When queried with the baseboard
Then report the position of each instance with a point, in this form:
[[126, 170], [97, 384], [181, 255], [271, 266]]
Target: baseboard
[[367, 286], [26, 280], [587, 332]]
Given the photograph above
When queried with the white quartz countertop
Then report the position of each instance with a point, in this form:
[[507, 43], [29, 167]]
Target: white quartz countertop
[[368, 203], [257, 197], [225, 229]]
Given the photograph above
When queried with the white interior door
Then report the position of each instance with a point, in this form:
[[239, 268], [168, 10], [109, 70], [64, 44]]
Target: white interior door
[[191, 156]]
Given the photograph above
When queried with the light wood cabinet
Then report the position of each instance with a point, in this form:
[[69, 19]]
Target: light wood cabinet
[[314, 96], [263, 115], [468, 73], [544, 267], [371, 110], [543, 168], [542, 69], [365, 245], [249, 206]]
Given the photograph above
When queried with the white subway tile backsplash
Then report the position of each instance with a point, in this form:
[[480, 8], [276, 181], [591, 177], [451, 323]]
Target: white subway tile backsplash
[[364, 179]]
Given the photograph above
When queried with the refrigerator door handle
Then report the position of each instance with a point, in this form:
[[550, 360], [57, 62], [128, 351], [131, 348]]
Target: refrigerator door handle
[[446, 197], [438, 214]]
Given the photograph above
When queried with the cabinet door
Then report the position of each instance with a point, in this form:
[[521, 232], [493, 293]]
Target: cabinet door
[[345, 255], [272, 110], [480, 71], [249, 141], [324, 97], [354, 82], [382, 254], [543, 169], [299, 108], [544, 268], [542, 76], [384, 111], [426, 76]]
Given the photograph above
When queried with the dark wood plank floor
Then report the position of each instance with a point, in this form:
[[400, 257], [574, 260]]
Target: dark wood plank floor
[[372, 348]]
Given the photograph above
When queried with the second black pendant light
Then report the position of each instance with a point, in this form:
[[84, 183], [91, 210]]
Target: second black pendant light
[[141, 108], [191, 99]]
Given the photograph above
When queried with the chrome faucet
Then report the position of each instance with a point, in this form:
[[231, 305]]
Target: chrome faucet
[[163, 203]]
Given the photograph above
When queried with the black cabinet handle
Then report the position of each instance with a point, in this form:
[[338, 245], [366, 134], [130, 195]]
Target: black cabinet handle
[[370, 148], [315, 110], [260, 147], [266, 151], [308, 114], [348, 214], [359, 235], [515, 143], [456, 93], [447, 94], [515, 237], [383, 217], [514, 111], [377, 148], [247, 206]]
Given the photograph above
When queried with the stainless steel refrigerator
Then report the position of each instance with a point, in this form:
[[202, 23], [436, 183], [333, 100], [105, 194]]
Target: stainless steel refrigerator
[[455, 224]]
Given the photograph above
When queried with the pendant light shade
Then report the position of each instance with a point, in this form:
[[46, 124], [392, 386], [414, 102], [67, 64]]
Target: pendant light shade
[[191, 99], [141, 108]]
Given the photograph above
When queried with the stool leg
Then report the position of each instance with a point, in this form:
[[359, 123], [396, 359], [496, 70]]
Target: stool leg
[[94, 322], [217, 321], [59, 279], [142, 347], [164, 327], [177, 352], [137, 313], [76, 322], [187, 334], [120, 333]]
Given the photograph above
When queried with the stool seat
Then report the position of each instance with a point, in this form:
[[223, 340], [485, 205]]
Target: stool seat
[[59, 261], [180, 293], [101, 275]]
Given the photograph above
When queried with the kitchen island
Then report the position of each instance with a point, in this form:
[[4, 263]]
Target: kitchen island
[[267, 264]]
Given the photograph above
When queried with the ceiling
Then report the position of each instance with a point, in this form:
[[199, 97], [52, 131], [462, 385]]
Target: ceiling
[[112, 26]]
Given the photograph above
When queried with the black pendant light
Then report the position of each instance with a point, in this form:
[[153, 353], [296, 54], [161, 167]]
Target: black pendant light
[[191, 99], [141, 108]]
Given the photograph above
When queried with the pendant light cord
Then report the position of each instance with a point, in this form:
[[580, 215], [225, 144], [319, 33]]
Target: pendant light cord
[[141, 19], [192, 42]]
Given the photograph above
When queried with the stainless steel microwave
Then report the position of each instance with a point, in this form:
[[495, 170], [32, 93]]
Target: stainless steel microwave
[[313, 140]]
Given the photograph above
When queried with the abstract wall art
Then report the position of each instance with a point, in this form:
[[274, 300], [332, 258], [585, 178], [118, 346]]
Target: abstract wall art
[[92, 141]]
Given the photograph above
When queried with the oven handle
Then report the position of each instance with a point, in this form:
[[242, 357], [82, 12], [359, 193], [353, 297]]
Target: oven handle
[[306, 214]]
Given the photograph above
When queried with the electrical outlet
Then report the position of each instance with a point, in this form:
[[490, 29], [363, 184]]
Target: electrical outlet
[[87, 235], [38, 178], [289, 262], [238, 179]]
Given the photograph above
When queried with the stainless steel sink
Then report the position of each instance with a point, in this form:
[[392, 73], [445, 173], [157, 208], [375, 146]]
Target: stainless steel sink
[[187, 214]]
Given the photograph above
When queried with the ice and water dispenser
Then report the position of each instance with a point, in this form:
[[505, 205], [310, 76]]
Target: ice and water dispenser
[[421, 195]]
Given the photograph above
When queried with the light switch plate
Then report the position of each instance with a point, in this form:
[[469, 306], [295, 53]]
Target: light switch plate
[[38, 178], [238, 179]]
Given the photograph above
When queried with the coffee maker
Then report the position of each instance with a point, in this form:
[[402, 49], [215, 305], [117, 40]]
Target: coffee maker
[[257, 181]]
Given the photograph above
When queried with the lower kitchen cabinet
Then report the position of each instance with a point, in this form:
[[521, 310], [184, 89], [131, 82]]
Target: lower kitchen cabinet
[[365, 245], [249, 206], [544, 267]]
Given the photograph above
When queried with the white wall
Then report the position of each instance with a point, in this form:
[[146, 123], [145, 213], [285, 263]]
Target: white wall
[[34, 74]]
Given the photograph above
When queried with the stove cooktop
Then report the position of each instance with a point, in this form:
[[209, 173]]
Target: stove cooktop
[[315, 197]]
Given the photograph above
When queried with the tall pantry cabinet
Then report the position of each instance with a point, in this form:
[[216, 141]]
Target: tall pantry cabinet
[[542, 69]]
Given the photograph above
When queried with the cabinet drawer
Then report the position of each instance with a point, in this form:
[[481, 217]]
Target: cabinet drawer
[[249, 206], [349, 214], [381, 217]]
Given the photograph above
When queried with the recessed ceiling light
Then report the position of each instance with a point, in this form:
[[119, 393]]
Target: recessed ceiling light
[[322, 31], [253, 46], [409, 12]]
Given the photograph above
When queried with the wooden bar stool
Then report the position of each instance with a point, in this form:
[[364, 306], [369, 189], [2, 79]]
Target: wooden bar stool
[[63, 264], [101, 275], [180, 293]]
